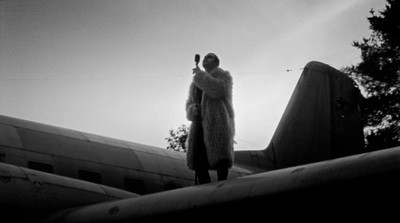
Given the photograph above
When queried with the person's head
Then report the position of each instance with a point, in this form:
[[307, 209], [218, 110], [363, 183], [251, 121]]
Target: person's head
[[210, 62]]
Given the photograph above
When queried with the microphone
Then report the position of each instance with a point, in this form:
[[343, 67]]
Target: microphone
[[197, 59]]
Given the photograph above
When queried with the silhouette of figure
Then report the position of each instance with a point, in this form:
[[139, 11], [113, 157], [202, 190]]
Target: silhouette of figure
[[209, 106]]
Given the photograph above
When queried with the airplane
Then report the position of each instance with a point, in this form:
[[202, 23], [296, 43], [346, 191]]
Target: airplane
[[315, 165]]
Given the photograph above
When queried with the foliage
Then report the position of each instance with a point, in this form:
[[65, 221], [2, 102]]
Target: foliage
[[378, 75], [177, 139]]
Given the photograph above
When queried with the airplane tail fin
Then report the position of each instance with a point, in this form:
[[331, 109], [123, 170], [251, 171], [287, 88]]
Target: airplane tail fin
[[321, 121]]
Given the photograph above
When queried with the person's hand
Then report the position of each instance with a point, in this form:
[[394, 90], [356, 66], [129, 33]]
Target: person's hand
[[196, 70]]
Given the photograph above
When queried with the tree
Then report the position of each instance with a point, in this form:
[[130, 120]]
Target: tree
[[177, 139], [378, 75]]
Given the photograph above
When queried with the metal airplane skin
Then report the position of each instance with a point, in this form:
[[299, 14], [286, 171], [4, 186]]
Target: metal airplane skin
[[52, 174]]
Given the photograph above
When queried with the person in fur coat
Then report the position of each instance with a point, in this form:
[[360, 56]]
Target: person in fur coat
[[217, 121]]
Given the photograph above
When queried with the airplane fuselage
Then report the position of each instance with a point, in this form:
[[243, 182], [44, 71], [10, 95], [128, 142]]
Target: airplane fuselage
[[134, 167]]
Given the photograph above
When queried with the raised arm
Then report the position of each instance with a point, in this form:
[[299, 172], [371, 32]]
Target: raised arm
[[217, 85]]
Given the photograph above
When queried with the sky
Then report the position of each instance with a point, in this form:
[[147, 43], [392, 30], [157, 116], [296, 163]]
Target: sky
[[122, 68]]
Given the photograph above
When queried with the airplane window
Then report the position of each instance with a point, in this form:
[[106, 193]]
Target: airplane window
[[2, 157], [171, 185], [90, 176], [134, 185], [40, 166]]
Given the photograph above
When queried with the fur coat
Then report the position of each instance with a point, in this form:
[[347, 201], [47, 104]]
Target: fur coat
[[217, 116]]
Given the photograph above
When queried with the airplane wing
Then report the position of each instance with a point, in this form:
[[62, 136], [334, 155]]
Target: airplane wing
[[359, 186], [28, 194]]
